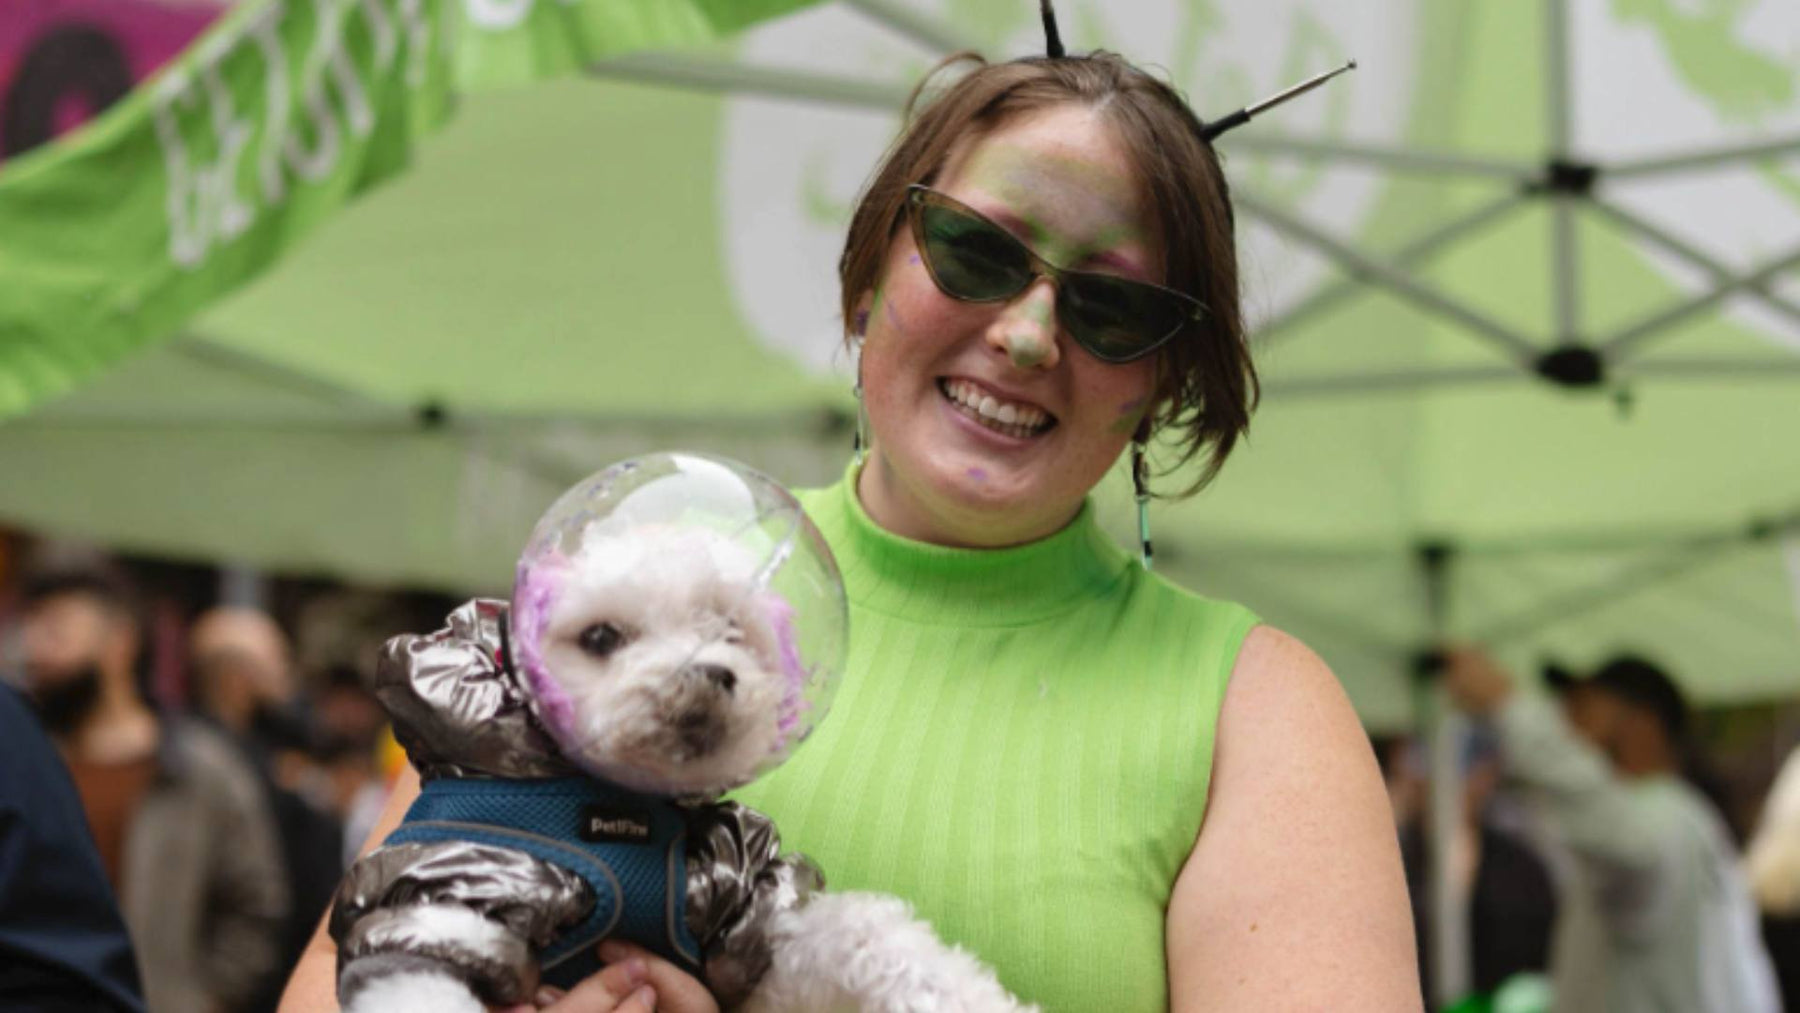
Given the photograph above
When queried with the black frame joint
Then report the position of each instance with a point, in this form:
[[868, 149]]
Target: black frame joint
[[1568, 177], [1574, 366]]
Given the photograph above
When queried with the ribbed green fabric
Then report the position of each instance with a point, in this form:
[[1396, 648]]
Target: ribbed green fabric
[[1020, 747]]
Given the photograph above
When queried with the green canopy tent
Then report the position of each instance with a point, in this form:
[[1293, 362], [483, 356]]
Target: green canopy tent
[[587, 267], [642, 257]]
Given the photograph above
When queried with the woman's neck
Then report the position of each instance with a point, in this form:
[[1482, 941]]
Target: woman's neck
[[901, 511]]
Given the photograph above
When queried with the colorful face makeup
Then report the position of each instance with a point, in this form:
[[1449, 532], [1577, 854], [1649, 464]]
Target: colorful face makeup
[[991, 421]]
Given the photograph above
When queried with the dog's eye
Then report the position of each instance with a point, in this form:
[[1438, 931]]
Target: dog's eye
[[734, 634], [601, 639]]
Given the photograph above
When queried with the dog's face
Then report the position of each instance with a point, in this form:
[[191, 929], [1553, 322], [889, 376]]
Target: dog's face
[[656, 662]]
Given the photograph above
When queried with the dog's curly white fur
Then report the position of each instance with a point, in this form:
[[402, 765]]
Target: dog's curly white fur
[[863, 951]]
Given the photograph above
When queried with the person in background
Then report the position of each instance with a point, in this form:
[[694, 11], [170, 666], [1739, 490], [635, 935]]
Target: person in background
[[63, 946], [1511, 898], [1772, 861], [1657, 915], [242, 671], [353, 732], [182, 827], [243, 674]]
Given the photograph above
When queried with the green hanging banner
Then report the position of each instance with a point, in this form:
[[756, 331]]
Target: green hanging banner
[[283, 111]]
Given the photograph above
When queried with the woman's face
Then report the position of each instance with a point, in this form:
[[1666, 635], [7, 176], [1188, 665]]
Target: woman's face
[[938, 471]]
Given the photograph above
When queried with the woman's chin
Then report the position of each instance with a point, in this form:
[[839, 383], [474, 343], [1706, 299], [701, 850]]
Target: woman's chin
[[993, 505]]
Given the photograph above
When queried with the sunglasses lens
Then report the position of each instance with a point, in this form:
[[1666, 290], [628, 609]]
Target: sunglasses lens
[[971, 258], [1118, 319]]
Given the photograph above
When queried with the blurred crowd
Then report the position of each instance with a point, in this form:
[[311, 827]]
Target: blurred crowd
[[225, 775], [188, 774]]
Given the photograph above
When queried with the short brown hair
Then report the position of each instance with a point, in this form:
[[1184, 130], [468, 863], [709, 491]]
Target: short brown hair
[[1207, 385]]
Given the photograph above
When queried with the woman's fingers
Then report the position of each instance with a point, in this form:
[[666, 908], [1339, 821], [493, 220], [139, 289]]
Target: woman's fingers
[[622, 987], [641, 1001], [676, 990]]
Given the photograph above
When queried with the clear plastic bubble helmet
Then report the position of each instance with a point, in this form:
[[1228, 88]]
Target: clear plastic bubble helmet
[[679, 624]]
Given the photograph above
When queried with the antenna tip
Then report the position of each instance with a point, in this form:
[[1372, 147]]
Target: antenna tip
[[1053, 45], [1350, 65]]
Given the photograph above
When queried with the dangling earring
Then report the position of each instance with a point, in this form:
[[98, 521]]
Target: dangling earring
[[1140, 487], [859, 442]]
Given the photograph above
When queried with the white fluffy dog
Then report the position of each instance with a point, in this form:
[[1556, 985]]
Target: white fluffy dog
[[656, 661]]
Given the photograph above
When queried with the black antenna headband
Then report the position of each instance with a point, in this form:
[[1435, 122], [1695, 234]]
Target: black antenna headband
[[1053, 48]]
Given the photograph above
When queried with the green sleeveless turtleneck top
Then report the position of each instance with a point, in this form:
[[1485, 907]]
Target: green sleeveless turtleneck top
[[1020, 747]]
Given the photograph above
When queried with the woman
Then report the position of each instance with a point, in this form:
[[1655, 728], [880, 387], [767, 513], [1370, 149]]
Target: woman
[[1033, 729]]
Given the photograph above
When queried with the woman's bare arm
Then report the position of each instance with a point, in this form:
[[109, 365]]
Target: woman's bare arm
[[312, 988], [1293, 897]]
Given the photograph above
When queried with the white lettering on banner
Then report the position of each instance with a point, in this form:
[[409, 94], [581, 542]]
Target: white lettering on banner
[[266, 30], [497, 15], [382, 28], [418, 39], [205, 204], [185, 202], [350, 88], [316, 164], [228, 212]]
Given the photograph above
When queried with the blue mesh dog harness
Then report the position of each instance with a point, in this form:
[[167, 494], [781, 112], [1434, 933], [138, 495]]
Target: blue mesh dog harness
[[630, 848]]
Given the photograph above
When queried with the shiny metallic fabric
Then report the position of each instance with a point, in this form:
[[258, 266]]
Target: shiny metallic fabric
[[457, 709], [459, 712], [390, 905], [737, 879]]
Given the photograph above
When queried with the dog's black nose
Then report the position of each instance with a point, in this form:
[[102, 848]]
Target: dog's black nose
[[718, 675]]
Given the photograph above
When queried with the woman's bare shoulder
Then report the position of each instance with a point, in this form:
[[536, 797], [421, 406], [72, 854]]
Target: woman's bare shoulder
[[1293, 896]]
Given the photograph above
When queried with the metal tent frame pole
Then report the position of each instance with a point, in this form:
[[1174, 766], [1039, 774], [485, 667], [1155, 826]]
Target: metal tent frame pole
[[1657, 236], [1442, 731], [1415, 252], [715, 74], [1660, 565], [1382, 273], [344, 411]]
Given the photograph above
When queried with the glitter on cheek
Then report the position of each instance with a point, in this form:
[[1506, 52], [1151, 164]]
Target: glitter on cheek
[[977, 474], [893, 315], [1130, 414], [914, 259], [882, 306]]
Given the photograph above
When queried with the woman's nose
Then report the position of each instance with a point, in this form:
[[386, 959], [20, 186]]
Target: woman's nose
[[1025, 328]]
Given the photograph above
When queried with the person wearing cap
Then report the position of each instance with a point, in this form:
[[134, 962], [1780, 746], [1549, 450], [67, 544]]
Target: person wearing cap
[[1655, 913]]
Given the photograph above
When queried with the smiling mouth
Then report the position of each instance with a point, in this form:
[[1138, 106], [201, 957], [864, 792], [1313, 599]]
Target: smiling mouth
[[1009, 418]]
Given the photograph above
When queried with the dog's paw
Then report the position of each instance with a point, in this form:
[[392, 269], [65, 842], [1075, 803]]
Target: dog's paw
[[398, 984]]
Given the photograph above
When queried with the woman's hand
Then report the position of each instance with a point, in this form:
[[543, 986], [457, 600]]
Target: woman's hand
[[633, 981]]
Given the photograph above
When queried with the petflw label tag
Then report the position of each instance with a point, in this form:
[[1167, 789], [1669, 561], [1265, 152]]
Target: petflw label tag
[[601, 823]]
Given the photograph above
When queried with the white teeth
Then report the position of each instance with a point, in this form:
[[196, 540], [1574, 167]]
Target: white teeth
[[1004, 416]]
